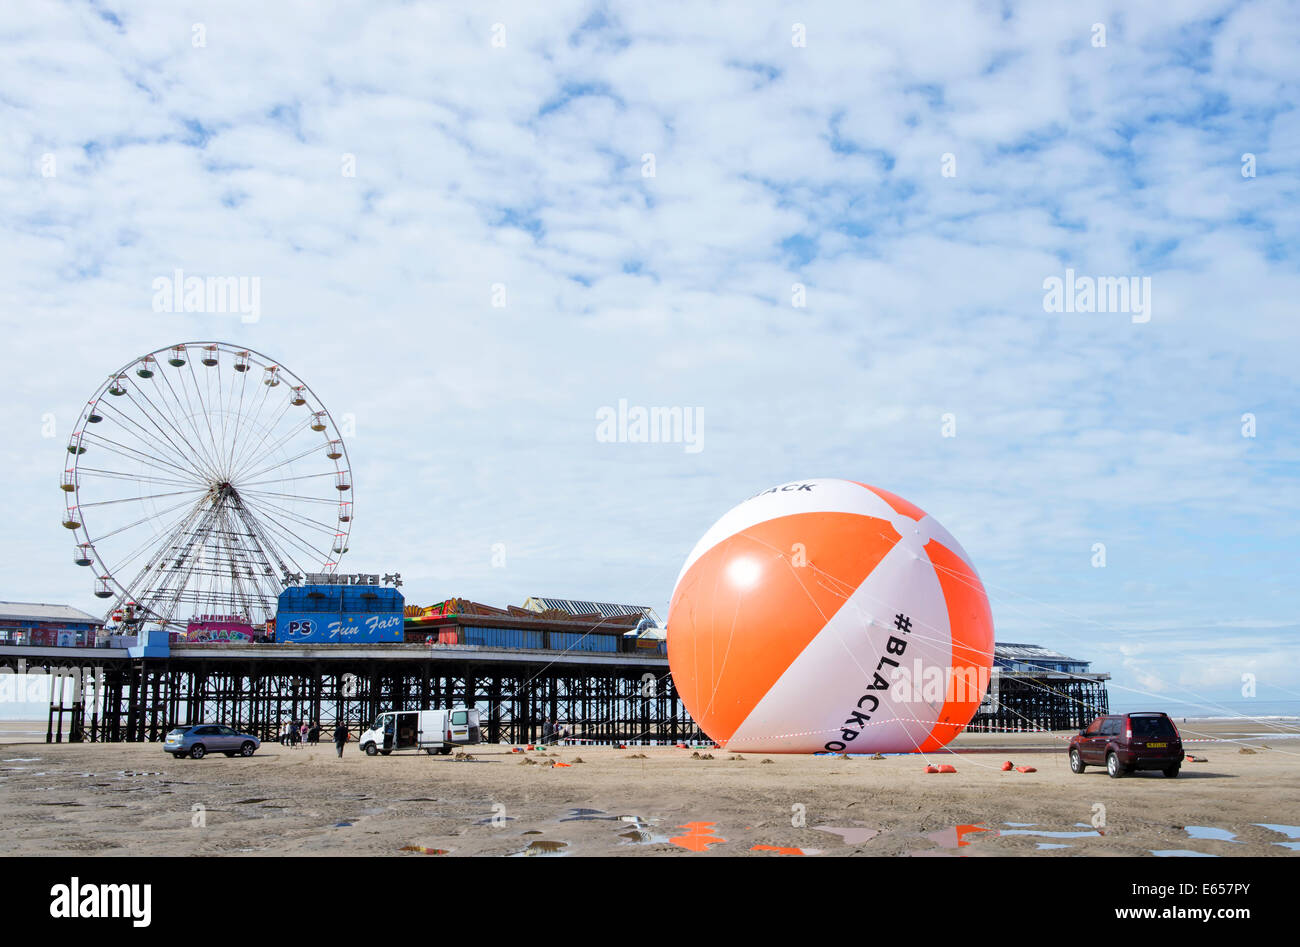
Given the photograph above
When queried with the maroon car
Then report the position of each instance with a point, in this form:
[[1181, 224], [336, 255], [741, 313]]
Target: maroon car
[[1127, 742]]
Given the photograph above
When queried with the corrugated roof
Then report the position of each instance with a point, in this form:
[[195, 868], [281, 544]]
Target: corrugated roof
[[576, 607], [39, 611], [1030, 652]]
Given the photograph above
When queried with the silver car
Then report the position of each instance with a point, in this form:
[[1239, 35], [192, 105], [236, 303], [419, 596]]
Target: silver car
[[198, 741]]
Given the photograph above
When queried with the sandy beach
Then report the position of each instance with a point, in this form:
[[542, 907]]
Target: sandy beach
[[134, 799]]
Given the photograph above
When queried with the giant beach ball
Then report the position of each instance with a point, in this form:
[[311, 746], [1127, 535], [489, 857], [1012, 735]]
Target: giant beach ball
[[829, 615]]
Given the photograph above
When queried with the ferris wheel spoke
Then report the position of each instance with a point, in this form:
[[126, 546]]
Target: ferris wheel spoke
[[136, 587], [144, 435], [176, 420], [290, 496], [151, 446], [131, 454], [158, 413], [250, 421], [289, 536], [143, 520], [299, 518], [287, 460], [255, 526], [187, 412], [121, 563], [315, 476], [250, 455], [134, 478], [190, 457], [135, 453], [207, 414], [140, 499], [233, 437]]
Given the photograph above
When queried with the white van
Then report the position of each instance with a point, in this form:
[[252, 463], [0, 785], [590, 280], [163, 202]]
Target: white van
[[434, 731]]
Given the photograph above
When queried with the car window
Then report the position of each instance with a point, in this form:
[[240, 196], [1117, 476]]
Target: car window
[[205, 731], [1111, 727], [459, 718], [226, 731], [1094, 728], [1151, 728]]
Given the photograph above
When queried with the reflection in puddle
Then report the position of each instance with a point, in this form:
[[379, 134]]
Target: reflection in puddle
[[423, 850], [1051, 845], [1182, 853], [852, 834], [955, 837], [698, 837], [543, 846], [1209, 832], [786, 851]]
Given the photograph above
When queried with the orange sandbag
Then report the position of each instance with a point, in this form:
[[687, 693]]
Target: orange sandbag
[[932, 769], [1006, 766], [945, 768], [1025, 769]]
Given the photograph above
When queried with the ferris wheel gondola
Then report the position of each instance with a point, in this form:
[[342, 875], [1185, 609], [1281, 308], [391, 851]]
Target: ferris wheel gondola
[[201, 474]]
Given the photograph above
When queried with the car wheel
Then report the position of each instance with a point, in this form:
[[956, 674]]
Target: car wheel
[[370, 749], [1170, 771], [248, 749], [1077, 765], [1113, 769], [197, 751]]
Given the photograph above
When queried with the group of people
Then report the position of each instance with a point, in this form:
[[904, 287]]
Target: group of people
[[552, 732], [299, 732]]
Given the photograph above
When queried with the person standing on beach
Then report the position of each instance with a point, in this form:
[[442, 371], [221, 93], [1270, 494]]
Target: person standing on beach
[[340, 738]]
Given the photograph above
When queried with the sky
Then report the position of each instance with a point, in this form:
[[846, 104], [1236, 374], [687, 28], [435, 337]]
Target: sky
[[826, 230]]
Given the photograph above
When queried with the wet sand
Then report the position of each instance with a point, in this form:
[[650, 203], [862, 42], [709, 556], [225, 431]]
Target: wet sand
[[135, 799]]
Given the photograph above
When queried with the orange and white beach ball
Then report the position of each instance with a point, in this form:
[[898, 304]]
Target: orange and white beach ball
[[829, 615]]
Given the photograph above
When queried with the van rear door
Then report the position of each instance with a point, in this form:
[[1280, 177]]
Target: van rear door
[[459, 726]]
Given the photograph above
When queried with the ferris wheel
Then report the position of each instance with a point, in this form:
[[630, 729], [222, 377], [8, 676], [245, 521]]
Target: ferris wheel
[[200, 479]]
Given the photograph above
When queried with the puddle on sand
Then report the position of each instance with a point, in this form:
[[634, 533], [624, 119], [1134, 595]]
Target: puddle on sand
[[342, 825], [785, 851], [642, 837], [1209, 832], [698, 837], [1290, 831], [423, 850], [1051, 845], [955, 837], [22, 759], [494, 819], [589, 815], [1182, 853], [542, 847], [851, 834]]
